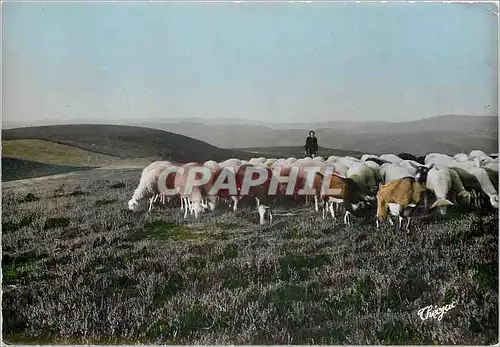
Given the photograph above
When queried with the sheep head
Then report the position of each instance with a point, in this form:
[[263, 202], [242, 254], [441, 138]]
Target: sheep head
[[422, 171], [133, 204], [494, 200]]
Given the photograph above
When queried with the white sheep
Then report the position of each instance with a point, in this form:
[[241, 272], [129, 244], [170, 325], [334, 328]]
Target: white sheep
[[363, 175], [346, 161], [461, 157], [480, 174], [233, 162], [410, 166], [392, 158], [437, 158], [439, 182], [332, 158], [458, 187], [148, 184], [365, 157], [390, 172], [375, 168], [477, 154]]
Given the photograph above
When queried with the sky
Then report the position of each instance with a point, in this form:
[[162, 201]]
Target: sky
[[278, 62]]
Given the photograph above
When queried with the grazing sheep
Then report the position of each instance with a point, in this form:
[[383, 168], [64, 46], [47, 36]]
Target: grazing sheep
[[363, 175], [365, 157], [378, 161], [269, 162], [279, 162], [410, 166], [340, 169], [375, 169], [230, 163], [437, 158], [192, 201], [493, 176], [354, 197], [458, 188], [148, 184], [439, 182], [491, 165], [477, 154], [346, 161], [392, 158], [332, 158], [390, 172], [400, 197], [481, 175], [195, 203], [461, 157], [404, 194]]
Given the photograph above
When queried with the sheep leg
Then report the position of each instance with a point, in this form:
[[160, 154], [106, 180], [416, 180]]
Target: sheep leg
[[347, 218], [262, 212], [196, 207], [332, 211], [316, 203], [390, 221], [408, 225], [235, 206], [270, 217], [400, 221], [182, 203]]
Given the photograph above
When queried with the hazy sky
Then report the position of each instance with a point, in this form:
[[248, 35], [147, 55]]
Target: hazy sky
[[262, 61]]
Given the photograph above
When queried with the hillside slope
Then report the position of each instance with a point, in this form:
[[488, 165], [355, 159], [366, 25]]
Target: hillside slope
[[125, 141], [49, 152]]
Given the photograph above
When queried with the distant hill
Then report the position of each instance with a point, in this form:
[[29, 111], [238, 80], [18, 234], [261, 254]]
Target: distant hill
[[17, 169], [125, 141], [446, 134]]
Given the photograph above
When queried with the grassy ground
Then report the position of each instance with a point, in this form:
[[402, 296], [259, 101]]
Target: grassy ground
[[78, 267], [48, 152]]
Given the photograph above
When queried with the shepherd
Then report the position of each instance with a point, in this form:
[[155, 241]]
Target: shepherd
[[311, 147]]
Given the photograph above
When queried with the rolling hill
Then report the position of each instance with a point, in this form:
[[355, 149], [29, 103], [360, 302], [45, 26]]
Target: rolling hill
[[124, 141], [45, 150], [445, 134], [49, 152]]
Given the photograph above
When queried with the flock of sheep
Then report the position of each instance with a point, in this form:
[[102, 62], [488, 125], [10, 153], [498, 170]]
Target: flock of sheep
[[390, 184]]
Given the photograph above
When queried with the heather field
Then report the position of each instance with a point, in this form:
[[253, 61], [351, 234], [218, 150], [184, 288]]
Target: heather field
[[78, 267]]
